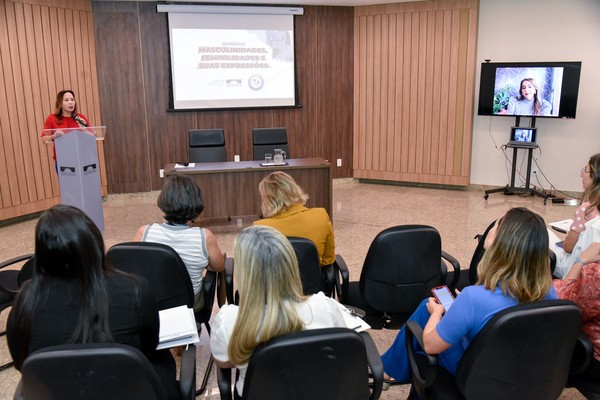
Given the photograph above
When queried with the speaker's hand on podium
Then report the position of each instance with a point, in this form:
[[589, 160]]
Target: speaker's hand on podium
[[50, 138]]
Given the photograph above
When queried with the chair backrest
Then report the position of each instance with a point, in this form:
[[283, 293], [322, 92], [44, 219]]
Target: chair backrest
[[480, 251], [309, 264], [478, 254], [325, 364], [207, 145], [88, 372], [26, 271], [401, 267], [523, 352], [161, 266], [266, 140]]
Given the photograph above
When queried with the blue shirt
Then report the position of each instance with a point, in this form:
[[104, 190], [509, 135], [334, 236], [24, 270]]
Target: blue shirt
[[472, 309]]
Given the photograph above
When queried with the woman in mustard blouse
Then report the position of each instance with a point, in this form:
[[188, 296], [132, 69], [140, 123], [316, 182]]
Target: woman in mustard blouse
[[283, 208]]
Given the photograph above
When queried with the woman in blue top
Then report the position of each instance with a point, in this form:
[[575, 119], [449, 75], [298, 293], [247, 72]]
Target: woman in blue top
[[515, 269]]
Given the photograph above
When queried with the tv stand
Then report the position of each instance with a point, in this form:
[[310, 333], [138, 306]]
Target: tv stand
[[512, 189]]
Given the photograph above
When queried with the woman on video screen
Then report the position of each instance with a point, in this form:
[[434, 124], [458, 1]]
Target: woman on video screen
[[528, 102]]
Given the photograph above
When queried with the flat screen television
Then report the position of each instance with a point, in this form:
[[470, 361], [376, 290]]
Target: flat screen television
[[529, 89]]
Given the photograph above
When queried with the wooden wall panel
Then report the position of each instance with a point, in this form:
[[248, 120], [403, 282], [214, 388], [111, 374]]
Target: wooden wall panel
[[35, 64], [413, 99], [134, 82]]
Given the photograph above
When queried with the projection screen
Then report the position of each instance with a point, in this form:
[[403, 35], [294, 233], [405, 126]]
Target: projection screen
[[226, 57]]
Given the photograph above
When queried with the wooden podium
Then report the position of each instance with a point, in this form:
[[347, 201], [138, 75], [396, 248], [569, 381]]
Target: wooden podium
[[78, 170]]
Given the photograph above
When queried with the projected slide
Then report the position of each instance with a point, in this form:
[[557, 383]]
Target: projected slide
[[220, 68]]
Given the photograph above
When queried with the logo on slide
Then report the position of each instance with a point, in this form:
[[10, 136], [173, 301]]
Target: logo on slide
[[233, 82], [256, 82]]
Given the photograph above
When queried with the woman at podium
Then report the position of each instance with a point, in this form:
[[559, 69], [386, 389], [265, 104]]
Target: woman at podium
[[65, 116]]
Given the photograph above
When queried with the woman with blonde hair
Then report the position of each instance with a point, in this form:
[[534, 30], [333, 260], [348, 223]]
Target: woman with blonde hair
[[271, 300], [283, 208], [515, 269]]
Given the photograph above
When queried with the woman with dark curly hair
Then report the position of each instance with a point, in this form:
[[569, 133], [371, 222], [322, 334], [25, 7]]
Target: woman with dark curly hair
[[181, 202]]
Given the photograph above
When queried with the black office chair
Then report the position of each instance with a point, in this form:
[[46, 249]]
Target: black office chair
[[9, 285], [582, 356], [207, 145], [90, 372], [314, 277], [167, 275], [523, 352], [330, 364], [266, 140], [471, 278], [402, 265]]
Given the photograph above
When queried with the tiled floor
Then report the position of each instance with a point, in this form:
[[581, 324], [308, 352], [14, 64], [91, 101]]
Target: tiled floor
[[360, 211]]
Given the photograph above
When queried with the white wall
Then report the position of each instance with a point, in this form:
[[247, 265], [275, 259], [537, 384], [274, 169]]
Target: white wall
[[541, 30]]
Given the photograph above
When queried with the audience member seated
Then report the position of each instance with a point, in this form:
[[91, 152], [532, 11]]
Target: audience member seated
[[282, 206], [181, 201], [271, 301], [582, 285], [589, 209], [514, 269], [75, 296]]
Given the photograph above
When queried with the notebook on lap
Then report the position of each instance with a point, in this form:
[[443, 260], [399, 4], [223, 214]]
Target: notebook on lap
[[522, 137]]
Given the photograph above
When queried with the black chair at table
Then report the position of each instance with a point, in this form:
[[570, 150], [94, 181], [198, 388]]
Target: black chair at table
[[10, 281], [91, 372], [207, 145], [402, 265], [167, 275], [523, 352], [266, 140], [331, 363]]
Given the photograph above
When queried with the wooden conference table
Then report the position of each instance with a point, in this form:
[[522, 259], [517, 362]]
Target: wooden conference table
[[230, 189]]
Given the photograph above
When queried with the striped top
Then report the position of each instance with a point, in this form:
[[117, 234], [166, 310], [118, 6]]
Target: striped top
[[188, 242]]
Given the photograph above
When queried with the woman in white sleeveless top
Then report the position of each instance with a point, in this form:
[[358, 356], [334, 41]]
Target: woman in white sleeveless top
[[181, 202]]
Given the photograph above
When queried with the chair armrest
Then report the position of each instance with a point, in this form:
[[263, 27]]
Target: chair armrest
[[414, 332], [582, 355], [552, 256], [224, 381], [187, 375], [375, 363], [209, 287], [328, 272], [341, 269], [15, 260], [225, 284], [455, 265], [12, 275], [19, 391]]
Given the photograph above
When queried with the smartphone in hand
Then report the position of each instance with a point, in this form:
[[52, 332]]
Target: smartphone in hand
[[443, 296]]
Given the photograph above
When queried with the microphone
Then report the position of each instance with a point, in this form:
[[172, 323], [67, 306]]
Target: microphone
[[79, 119]]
